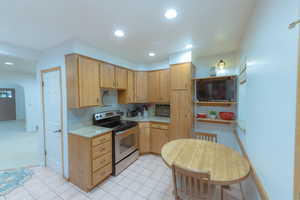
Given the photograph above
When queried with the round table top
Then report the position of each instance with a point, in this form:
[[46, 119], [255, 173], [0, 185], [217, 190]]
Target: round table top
[[225, 165]]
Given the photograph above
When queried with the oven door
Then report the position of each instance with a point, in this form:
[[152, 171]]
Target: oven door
[[126, 142]]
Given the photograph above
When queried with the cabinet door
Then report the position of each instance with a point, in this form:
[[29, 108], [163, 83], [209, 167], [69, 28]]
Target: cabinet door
[[164, 77], [89, 91], [181, 75], [144, 140], [130, 89], [141, 87], [121, 78], [107, 74], [181, 114], [154, 86], [159, 137]]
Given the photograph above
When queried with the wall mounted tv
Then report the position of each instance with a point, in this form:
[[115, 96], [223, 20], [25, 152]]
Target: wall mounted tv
[[216, 89]]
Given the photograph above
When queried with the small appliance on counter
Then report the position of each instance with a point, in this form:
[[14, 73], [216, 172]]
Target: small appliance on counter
[[162, 110]]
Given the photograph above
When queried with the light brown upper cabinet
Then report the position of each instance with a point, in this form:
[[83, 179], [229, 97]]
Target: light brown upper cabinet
[[159, 86], [164, 81], [113, 77], [82, 81], [154, 86], [128, 96], [141, 87], [121, 78], [107, 76], [181, 76]]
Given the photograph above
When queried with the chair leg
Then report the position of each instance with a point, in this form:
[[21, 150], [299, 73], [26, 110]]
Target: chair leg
[[222, 193]]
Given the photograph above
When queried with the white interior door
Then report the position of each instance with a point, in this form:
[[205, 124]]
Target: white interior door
[[52, 120]]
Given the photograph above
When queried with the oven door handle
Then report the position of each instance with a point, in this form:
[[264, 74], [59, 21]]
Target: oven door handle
[[122, 132]]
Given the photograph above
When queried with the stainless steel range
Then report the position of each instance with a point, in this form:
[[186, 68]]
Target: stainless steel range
[[125, 138]]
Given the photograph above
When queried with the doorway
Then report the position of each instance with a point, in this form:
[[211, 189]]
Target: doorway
[[52, 118], [7, 104]]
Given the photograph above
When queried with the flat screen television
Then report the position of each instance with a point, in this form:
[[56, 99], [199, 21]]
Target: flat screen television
[[216, 90]]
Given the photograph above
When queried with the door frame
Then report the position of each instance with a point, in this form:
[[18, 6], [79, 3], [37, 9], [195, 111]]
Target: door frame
[[61, 111]]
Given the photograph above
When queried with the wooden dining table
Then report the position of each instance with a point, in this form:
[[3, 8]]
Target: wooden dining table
[[226, 166]]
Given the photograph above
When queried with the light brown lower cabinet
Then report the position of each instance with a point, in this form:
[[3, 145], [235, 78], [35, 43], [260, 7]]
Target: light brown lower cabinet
[[152, 137], [144, 137], [90, 160]]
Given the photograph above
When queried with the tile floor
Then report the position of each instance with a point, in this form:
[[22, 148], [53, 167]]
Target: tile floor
[[146, 179], [13, 134]]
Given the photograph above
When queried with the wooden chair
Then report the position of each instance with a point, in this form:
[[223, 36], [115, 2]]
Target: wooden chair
[[206, 136], [192, 185]]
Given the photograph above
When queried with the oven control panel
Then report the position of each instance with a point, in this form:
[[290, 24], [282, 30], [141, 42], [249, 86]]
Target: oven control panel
[[107, 114]]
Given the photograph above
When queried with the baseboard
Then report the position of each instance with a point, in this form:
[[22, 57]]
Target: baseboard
[[260, 188]]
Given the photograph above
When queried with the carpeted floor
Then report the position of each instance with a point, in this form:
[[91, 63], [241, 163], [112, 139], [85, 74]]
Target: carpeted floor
[[18, 148]]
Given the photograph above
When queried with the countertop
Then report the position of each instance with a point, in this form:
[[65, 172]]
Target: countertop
[[90, 131], [148, 119]]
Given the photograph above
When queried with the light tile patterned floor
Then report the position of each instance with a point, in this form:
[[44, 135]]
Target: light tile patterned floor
[[146, 179]]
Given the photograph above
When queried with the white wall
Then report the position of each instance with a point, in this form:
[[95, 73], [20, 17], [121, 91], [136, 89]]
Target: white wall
[[19, 98], [271, 49], [203, 63], [29, 84]]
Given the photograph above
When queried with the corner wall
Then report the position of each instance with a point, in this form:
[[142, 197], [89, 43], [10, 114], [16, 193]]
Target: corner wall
[[271, 52]]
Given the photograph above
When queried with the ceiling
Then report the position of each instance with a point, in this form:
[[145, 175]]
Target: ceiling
[[21, 66], [212, 26]]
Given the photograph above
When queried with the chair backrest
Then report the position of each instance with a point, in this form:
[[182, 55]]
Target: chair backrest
[[190, 184], [206, 136]]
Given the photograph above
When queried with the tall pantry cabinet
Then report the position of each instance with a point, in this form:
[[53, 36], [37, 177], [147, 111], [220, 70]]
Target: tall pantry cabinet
[[181, 101]]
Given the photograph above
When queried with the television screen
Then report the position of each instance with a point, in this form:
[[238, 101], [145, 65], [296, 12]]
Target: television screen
[[216, 90]]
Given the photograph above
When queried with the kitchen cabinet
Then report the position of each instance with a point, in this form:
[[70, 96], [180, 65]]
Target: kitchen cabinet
[[144, 137], [181, 114], [141, 87], [128, 96], [181, 76], [181, 101], [90, 160], [107, 76], [121, 78], [159, 137], [154, 86], [82, 81], [164, 81], [159, 86]]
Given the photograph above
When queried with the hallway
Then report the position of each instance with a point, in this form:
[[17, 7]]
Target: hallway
[[19, 148]]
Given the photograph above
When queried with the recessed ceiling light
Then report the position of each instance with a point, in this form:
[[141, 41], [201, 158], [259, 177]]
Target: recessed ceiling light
[[9, 63], [151, 54], [171, 14], [188, 46], [119, 33]]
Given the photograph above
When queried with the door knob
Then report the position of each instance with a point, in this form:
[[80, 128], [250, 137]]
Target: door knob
[[57, 131]]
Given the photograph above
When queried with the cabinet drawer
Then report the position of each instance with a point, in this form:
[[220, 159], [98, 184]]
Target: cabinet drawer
[[101, 174], [101, 149], [102, 161], [101, 139], [160, 126], [144, 125]]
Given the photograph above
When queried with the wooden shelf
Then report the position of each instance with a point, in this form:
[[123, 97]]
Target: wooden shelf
[[216, 78], [216, 121], [215, 103]]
